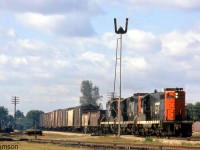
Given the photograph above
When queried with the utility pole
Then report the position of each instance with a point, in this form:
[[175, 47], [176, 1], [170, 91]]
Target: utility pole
[[15, 101], [120, 31]]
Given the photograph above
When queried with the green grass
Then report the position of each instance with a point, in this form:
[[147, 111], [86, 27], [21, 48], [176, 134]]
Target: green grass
[[148, 139]]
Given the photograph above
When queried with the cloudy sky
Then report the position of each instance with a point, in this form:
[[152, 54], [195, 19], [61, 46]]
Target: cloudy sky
[[48, 47]]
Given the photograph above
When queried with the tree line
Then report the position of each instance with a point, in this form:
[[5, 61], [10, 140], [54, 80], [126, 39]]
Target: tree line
[[193, 111], [22, 122]]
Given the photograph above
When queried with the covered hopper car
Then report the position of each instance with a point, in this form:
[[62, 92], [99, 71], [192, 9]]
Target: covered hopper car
[[80, 119]]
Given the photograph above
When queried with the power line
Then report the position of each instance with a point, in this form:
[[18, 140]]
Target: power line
[[15, 101]]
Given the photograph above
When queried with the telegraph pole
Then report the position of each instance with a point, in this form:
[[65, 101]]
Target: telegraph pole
[[120, 31], [15, 101]]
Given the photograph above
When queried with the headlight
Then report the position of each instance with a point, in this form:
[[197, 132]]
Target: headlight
[[176, 95]]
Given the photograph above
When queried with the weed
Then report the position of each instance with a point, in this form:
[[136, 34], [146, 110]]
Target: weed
[[148, 139]]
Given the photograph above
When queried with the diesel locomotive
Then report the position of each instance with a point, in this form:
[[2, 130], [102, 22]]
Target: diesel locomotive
[[159, 113]]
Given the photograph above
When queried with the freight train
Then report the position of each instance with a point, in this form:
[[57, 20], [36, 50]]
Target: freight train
[[159, 113], [78, 119]]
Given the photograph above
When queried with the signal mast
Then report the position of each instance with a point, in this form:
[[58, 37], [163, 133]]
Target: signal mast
[[120, 31]]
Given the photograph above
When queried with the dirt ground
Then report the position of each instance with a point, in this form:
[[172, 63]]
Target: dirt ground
[[65, 133]]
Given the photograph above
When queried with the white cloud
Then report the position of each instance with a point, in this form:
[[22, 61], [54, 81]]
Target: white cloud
[[177, 4], [54, 90], [137, 64], [14, 61], [3, 59], [30, 44], [181, 4], [11, 33], [143, 60], [42, 22], [34, 59], [60, 17], [50, 6], [142, 42], [58, 24], [61, 63], [111, 37], [3, 77], [8, 33], [19, 62], [93, 57], [181, 44]]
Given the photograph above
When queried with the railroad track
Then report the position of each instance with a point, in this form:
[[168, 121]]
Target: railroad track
[[193, 138], [185, 138], [103, 145]]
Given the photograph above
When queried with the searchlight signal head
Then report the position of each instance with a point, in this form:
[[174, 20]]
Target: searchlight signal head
[[120, 30]]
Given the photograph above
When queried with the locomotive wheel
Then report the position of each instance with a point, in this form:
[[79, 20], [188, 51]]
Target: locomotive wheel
[[159, 133]]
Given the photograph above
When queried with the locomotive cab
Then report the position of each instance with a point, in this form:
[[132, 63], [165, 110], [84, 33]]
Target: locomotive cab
[[174, 104], [175, 121]]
